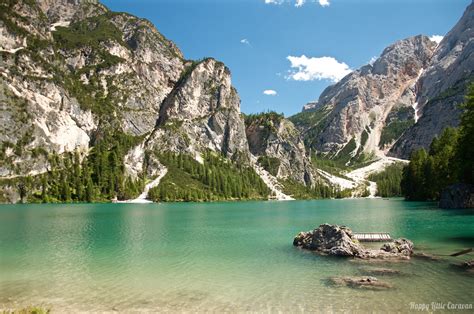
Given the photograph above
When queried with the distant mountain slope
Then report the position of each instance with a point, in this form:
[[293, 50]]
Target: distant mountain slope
[[352, 115], [397, 104]]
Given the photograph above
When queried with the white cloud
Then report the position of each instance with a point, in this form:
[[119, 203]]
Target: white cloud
[[324, 3], [324, 68], [372, 60], [270, 92], [436, 38], [299, 3], [245, 41]]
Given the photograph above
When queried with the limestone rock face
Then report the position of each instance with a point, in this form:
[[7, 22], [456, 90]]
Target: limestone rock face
[[441, 87], [415, 76], [311, 106], [202, 113], [277, 139], [71, 70]]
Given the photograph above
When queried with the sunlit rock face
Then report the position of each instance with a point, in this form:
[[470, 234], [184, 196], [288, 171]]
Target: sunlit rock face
[[398, 103], [356, 108], [202, 113]]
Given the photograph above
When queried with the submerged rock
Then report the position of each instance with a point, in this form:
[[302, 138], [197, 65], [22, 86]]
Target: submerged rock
[[467, 266], [426, 256], [381, 271], [340, 241], [366, 282]]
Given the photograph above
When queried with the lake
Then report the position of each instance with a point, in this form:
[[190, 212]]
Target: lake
[[220, 256]]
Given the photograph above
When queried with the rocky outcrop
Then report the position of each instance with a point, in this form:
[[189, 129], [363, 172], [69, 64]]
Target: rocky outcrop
[[441, 87], [457, 196], [202, 113], [399, 246], [311, 106], [276, 143], [339, 241], [352, 114]]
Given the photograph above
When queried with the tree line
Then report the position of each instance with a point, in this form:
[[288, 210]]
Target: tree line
[[216, 178], [449, 159], [76, 177]]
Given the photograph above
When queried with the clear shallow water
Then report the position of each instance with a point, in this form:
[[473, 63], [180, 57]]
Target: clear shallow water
[[219, 256]]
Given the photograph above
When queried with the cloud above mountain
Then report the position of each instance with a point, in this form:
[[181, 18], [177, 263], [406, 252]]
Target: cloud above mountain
[[312, 68], [270, 92]]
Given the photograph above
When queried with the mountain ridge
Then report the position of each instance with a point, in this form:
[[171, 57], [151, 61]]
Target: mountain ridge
[[109, 89], [397, 104]]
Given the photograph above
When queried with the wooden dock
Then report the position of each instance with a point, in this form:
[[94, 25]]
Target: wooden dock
[[373, 237]]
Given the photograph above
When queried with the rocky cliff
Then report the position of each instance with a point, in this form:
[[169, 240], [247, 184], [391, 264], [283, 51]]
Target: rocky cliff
[[279, 148], [351, 115], [76, 77], [441, 87], [72, 70], [202, 112], [397, 104]]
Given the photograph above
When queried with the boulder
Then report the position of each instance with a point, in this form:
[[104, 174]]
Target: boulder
[[339, 241], [329, 239], [399, 246]]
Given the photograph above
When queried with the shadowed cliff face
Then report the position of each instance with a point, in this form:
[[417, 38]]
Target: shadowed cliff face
[[441, 87]]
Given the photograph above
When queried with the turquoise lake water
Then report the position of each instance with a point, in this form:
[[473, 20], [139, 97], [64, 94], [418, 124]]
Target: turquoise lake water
[[221, 256]]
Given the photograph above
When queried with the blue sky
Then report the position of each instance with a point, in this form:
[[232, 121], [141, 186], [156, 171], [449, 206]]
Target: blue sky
[[254, 39]]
